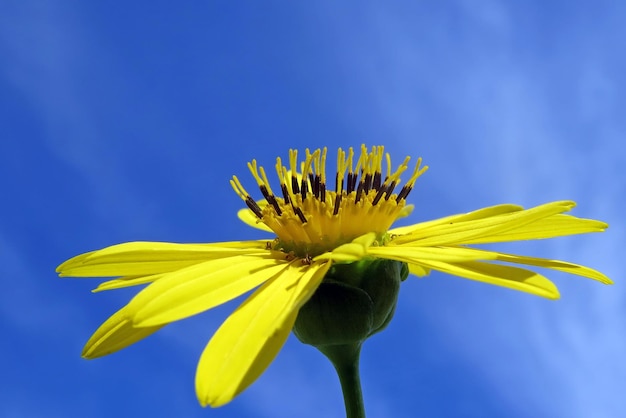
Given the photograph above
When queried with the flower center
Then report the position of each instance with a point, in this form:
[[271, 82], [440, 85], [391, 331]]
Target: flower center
[[309, 220]]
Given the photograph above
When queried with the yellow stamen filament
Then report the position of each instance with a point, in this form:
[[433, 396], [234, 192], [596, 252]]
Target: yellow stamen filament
[[309, 219]]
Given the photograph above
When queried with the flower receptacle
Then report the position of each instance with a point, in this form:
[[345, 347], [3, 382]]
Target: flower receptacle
[[354, 301]]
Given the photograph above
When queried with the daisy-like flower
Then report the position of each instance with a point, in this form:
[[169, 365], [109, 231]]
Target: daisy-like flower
[[314, 229]]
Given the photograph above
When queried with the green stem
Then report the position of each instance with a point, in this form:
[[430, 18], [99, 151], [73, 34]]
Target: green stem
[[345, 358]]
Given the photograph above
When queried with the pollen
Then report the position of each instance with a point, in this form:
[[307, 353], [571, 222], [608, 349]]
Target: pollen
[[309, 219]]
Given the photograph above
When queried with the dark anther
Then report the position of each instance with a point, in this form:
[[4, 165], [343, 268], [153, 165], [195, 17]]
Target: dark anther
[[381, 192], [254, 207], [312, 181], [315, 181], [298, 212], [359, 190], [322, 195], [367, 183], [266, 194], [376, 185], [337, 203], [353, 182], [304, 189], [349, 183], [404, 193], [283, 188], [294, 185], [272, 200], [338, 184], [389, 190]]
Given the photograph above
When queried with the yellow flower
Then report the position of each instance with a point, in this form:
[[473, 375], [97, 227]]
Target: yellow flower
[[314, 228]]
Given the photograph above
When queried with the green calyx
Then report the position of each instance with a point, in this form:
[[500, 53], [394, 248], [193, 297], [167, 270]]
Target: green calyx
[[354, 301]]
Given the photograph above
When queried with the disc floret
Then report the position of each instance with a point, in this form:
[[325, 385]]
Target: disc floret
[[309, 219]]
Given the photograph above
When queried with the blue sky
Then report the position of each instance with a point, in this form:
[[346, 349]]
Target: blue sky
[[125, 121]]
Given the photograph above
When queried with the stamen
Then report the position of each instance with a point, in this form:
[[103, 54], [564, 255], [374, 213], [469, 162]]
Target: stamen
[[377, 168], [315, 182], [264, 186], [322, 177], [254, 207], [404, 192], [306, 172], [341, 170], [243, 194], [305, 224], [351, 179], [252, 166], [358, 192], [380, 193], [270, 197], [393, 178], [388, 158], [293, 162], [350, 182], [238, 188], [294, 184], [337, 203], [409, 185], [304, 190], [338, 182], [281, 179], [389, 190], [298, 212], [367, 183], [376, 181], [361, 165]]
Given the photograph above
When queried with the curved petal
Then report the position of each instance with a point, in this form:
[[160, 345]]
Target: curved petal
[[446, 254], [114, 334], [550, 227], [350, 252], [563, 266], [200, 287], [127, 281], [249, 218], [417, 270], [499, 275], [251, 337], [145, 258], [457, 233], [462, 217], [406, 211]]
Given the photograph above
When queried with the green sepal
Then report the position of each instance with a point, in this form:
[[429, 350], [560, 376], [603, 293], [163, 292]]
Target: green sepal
[[354, 301]]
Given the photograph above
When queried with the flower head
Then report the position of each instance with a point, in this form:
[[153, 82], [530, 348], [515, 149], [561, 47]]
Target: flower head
[[314, 228], [309, 219]]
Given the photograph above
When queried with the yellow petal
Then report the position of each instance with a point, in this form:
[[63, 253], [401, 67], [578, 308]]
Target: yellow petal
[[241, 245], [200, 287], [499, 275], [250, 338], [352, 251], [417, 270], [114, 334], [127, 282], [406, 211], [461, 232], [563, 266], [463, 217], [416, 254], [145, 258], [550, 227]]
